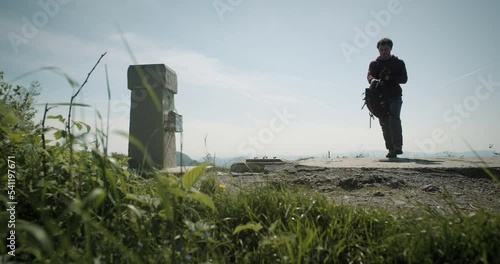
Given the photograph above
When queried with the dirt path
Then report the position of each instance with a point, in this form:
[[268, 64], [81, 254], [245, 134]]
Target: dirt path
[[403, 184]]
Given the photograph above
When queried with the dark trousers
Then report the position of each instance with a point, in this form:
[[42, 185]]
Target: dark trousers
[[391, 125]]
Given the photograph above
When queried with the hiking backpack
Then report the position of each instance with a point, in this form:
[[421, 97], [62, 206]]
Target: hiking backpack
[[374, 100]]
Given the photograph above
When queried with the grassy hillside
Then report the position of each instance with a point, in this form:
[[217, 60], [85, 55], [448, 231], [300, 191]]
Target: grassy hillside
[[69, 201]]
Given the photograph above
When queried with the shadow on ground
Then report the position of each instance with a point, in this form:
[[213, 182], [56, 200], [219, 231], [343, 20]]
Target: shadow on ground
[[417, 161]]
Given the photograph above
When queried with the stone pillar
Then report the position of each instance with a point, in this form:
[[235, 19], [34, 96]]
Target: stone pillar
[[153, 87]]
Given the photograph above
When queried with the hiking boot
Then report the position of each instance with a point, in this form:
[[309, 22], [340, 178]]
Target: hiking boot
[[398, 150], [391, 154]]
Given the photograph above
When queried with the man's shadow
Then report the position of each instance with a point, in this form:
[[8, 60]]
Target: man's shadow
[[407, 160]]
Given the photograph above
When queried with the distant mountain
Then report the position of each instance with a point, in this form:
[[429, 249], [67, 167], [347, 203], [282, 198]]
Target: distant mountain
[[226, 162], [407, 154], [186, 160]]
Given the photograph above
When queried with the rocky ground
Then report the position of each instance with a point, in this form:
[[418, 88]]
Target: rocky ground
[[406, 188]]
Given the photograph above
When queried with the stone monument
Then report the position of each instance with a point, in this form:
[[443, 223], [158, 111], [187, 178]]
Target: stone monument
[[152, 116]]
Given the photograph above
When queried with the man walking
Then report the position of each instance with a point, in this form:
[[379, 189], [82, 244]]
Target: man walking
[[389, 72]]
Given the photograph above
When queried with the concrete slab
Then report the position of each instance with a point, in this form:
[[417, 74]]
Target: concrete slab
[[409, 163], [182, 170]]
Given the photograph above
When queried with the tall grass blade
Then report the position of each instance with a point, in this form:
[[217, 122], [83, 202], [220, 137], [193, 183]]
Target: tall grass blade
[[145, 84], [191, 176], [108, 112], [52, 69], [38, 235], [249, 226], [203, 199]]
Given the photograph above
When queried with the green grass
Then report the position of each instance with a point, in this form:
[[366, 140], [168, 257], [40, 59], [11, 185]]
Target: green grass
[[301, 226], [79, 205]]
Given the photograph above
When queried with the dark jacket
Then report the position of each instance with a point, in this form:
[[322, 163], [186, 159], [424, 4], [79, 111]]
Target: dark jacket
[[396, 72]]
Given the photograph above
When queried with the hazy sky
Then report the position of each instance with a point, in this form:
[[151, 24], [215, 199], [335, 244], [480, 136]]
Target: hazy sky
[[271, 77]]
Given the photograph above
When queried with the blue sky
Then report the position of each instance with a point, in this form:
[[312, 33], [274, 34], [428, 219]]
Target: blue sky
[[271, 77]]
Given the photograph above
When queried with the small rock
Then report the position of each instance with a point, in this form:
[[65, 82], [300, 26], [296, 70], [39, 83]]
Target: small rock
[[381, 178], [301, 168], [368, 179], [379, 194], [280, 167], [430, 188], [238, 174], [396, 183], [350, 184], [242, 167], [399, 203]]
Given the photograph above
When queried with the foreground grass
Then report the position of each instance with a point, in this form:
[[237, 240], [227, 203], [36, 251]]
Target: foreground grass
[[263, 224], [288, 225]]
